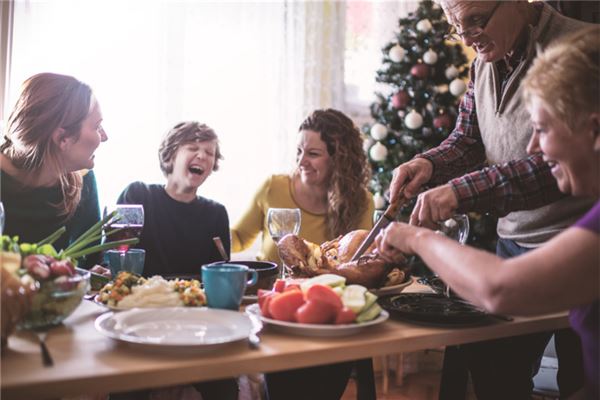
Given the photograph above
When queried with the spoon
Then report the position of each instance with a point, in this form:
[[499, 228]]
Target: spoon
[[221, 248], [46, 358], [253, 339]]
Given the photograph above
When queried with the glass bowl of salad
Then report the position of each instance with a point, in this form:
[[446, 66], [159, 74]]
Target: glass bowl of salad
[[58, 294]]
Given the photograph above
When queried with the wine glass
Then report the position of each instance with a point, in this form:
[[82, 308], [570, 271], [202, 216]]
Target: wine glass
[[129, 222], [1, 218], [282, 221], [377, 214], [456, 228]]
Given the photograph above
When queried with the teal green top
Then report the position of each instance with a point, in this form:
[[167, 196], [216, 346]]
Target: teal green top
[[32, 215]]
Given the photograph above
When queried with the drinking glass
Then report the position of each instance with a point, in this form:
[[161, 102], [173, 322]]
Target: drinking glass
[[456, 228], [1, 218], [129, 221], [282, 221], [377, 214]]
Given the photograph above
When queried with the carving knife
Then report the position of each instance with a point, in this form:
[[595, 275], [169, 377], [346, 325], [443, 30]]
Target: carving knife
[[388, 216]]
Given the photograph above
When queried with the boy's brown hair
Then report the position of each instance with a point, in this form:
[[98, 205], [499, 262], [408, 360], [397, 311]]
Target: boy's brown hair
[[182, 134]]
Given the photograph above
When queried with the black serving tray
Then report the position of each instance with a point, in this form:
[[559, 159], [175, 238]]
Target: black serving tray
[[432, 308]]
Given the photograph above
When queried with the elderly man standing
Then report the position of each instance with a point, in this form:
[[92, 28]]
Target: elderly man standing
[[493, 127]]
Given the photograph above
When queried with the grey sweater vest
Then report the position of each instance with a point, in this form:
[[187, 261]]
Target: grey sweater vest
[[506, 129]]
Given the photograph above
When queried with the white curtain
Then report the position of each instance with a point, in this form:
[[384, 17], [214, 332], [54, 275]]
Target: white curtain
[[251, 70]]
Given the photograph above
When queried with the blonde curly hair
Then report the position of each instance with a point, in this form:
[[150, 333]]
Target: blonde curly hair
[[566, 77], [347, 194]]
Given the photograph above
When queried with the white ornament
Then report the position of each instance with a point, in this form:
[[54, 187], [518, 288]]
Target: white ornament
[[424, 25], [457, 87], [401, 113], [397, 53], [430, 57], [378, 131], [451, 72], [378, 201], [378, 152], [450, 223], [413, 120]]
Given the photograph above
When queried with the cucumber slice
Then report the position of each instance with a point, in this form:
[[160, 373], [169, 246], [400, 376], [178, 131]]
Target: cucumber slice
[[354, 297], [369, 313], [330, 280]]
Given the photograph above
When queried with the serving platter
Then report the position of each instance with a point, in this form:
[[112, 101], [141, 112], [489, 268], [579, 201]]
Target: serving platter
[[432, 309], [393, 289], [317, 330], [177, 328]]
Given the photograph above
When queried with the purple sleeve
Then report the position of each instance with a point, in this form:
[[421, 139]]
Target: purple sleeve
[[591, 220]]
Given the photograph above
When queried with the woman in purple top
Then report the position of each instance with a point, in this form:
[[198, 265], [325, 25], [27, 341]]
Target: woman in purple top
[[562, 92]]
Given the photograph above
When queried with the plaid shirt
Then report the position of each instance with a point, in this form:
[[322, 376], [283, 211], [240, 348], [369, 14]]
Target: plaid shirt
[[500, 189]]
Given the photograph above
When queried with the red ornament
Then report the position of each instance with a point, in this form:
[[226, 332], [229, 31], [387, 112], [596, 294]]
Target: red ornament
[[420, 71], [442, 121], [400, 100]]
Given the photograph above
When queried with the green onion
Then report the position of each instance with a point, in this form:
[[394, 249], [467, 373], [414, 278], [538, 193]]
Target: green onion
[[52, 238], [95, 229], [100, 247]]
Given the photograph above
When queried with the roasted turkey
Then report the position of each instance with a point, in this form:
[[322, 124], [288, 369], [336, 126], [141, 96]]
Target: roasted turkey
[[306, 259]]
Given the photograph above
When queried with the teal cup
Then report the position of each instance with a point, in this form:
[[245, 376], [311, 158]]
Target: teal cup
[[225, 284], [132, 261]]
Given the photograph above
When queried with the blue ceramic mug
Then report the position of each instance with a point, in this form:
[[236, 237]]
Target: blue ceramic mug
[[225, 284]]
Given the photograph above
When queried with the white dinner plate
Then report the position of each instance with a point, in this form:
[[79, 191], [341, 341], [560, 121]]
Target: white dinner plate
[[316, 329], [177, 327], [394, 289]]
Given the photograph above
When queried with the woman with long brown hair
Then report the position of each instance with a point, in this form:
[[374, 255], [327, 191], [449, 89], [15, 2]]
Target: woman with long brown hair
[[328, 185], [45, 157]]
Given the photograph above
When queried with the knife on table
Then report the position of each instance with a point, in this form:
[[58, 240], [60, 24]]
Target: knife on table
[[388, 216]]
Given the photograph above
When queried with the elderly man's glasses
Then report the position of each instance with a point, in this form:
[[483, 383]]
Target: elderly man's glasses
[[475, 30]]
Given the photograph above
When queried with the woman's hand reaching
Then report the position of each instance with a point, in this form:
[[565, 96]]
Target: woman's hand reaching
[[396, 240]]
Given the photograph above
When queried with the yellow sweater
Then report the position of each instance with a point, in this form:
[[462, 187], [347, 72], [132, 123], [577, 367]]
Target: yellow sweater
[[277, 191]]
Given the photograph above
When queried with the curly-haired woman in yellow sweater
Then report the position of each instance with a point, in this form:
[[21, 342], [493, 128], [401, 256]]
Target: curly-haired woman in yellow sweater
[[328, 185]]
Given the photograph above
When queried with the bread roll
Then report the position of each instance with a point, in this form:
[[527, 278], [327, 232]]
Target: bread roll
[[15, 299]]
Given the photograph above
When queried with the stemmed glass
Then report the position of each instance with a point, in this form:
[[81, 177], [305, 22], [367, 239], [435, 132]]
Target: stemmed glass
[[1, 218], [456, 228], [129, 222], [282, 221]]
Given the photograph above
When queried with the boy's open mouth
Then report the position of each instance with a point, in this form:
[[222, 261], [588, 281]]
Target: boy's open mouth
[[194, 169]]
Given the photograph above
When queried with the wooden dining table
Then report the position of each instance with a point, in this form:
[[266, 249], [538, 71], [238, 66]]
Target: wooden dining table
[[87, 362]]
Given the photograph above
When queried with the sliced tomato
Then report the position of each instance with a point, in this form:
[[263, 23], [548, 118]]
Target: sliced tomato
[[262, 294], [264, 306], [345, 316], [279, 285], [315, 312], [325, 294], [283, 306], [291, 286]]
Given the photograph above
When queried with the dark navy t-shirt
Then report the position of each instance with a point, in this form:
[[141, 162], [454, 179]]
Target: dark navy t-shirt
[[585, 321], [177, 236]]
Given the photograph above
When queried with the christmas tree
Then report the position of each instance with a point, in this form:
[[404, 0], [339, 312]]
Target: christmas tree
[[424, 77]]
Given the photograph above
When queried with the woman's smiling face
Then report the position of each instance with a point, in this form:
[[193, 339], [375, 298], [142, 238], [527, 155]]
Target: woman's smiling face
[[78, 151], [571, 155], [313, 160]]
